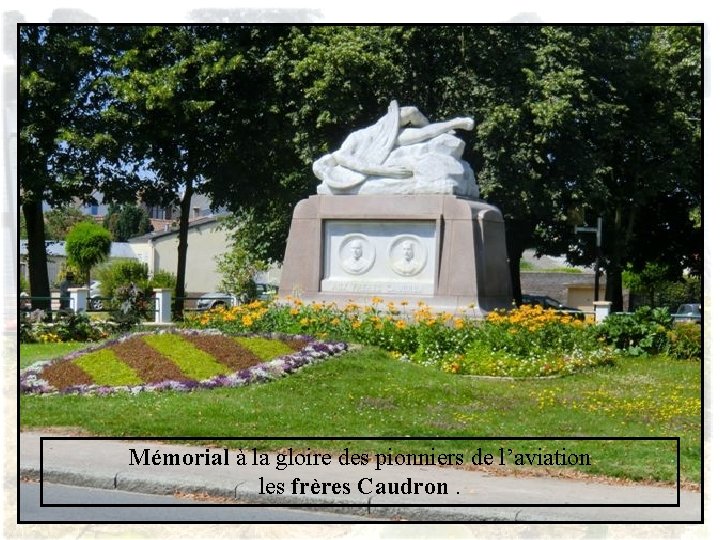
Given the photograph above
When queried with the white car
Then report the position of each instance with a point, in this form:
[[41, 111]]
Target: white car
[[95, 298], [216, 299]]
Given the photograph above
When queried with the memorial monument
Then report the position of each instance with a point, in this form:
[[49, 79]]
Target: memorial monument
[[398, 215]]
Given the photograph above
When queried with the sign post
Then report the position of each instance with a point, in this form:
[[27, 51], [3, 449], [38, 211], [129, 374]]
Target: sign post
[[598, 251]]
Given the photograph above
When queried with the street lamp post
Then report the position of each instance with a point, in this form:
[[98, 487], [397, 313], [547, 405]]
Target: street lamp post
[[598, 251]]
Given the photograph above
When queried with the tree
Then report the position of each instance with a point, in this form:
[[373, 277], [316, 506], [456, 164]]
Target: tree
[[52, 66], [186, 99], [87, 245], [237, 270], [601, 126], [573, 123], [646, 156], [126, 221], [59, 221], [63, 151]]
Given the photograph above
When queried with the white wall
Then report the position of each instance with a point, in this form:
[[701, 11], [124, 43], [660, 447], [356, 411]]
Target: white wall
[[205, 242]]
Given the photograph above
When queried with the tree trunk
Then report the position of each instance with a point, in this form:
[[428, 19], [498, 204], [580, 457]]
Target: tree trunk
[[182, 250], [516, 240], [620, 233], [514, 256], [37, 256], [613, 289]]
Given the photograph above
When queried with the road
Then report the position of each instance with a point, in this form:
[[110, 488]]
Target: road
[[31, 511]]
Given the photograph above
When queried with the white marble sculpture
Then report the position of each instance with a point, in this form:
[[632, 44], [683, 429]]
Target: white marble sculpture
[[406, 256], [358, 255], [401, 154]]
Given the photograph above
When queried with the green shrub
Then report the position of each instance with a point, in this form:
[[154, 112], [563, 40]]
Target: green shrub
[[120, 273], [131, 305], [685, 341], [163, 280], [639, 333], [24, 285], [73, 327]]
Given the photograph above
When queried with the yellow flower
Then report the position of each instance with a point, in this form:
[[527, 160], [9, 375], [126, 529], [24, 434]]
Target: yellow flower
[[304, 321], [494, 316], [376, 300], [335, 321], [247, 320], [459, 324], [400, 325]]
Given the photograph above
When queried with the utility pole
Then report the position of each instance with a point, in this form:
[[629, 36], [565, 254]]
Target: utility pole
[[598, 251]]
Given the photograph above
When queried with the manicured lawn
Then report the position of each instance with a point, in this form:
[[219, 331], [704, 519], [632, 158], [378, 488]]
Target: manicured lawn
[[367, 393], [31, 353]]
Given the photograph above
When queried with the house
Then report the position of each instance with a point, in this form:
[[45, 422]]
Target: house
[[552, 276], [162, 218], [206, 240]]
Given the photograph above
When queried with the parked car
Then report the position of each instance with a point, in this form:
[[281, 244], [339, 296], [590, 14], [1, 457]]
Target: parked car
[[95, 299], [25, 302], [266, 291], [216, 299], [549, 303], [688, 313]]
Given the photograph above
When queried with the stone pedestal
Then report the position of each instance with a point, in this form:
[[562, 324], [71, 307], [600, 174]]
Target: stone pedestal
[[602, 310], [446, 251]]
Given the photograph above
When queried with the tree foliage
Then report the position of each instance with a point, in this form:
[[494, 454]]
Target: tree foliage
[[59, 221], [188, 102], [64, 148], [573, 122], [126, 221]]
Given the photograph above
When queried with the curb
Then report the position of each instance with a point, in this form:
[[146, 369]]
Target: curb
[[144, 485]]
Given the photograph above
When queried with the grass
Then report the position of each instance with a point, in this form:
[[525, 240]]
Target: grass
[[263, 348], [31, 353], [107, 369], [194, 363], [367, 393]]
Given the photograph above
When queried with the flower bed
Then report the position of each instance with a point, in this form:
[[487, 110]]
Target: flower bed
[[531, 342], [70, 327], [525, 342], [145, 368]]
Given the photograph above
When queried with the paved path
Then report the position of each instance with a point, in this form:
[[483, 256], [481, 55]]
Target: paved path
[[106, 464]]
